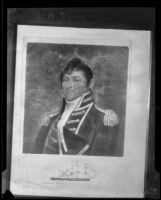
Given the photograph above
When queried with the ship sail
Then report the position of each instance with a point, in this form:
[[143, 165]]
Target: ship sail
[[76, 173]]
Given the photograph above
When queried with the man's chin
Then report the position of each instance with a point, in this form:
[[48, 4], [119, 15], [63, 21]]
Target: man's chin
[[71, 98]]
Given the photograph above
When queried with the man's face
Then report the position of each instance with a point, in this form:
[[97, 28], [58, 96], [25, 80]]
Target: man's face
[[74, 85]]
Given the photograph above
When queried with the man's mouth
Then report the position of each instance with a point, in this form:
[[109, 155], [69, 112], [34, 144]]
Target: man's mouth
[[69, 91]]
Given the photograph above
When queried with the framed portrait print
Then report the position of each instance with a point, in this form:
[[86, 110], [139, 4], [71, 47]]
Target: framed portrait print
[[102, 149]]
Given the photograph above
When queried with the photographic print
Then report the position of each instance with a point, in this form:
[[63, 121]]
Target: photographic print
[[44, 98], [80, 112]]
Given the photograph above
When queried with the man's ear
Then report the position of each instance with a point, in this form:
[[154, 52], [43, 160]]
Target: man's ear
[[91, 85]]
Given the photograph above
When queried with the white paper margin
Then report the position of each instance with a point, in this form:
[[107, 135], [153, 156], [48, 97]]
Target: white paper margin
[[116, 176]]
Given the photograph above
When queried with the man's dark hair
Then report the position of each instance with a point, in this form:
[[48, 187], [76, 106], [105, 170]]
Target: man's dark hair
[[77, 64]]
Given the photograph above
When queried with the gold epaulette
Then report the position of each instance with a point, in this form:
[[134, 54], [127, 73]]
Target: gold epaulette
[[110, 117], [45, 121]]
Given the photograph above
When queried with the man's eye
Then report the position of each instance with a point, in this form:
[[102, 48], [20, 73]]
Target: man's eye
[[76, 80], [64, 80]]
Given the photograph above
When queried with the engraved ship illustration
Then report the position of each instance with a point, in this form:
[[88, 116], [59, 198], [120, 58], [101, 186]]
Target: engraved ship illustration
[[76, 173]]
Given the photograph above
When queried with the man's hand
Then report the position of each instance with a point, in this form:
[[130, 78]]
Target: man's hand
[[110, 118]]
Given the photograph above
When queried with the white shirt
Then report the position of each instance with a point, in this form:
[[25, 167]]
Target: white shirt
[[70, 106]]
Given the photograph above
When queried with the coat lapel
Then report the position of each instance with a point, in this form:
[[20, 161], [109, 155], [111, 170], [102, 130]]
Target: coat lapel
[[79, 114]]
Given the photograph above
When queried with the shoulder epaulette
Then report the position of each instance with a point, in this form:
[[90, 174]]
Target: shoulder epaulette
[[110, 117], [45, 121]]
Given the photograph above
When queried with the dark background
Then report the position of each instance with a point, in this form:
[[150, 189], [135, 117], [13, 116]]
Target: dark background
[[140, 17]]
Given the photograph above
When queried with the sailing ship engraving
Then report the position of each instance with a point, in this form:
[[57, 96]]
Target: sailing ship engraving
[[76, 172]]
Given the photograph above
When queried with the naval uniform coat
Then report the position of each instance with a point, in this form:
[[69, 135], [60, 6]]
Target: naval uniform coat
[[84, 133]]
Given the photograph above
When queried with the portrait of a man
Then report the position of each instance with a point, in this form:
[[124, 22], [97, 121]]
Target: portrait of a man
[[75, 99]]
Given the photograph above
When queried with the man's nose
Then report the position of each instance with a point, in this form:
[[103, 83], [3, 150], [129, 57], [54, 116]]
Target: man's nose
[[70, 84]]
